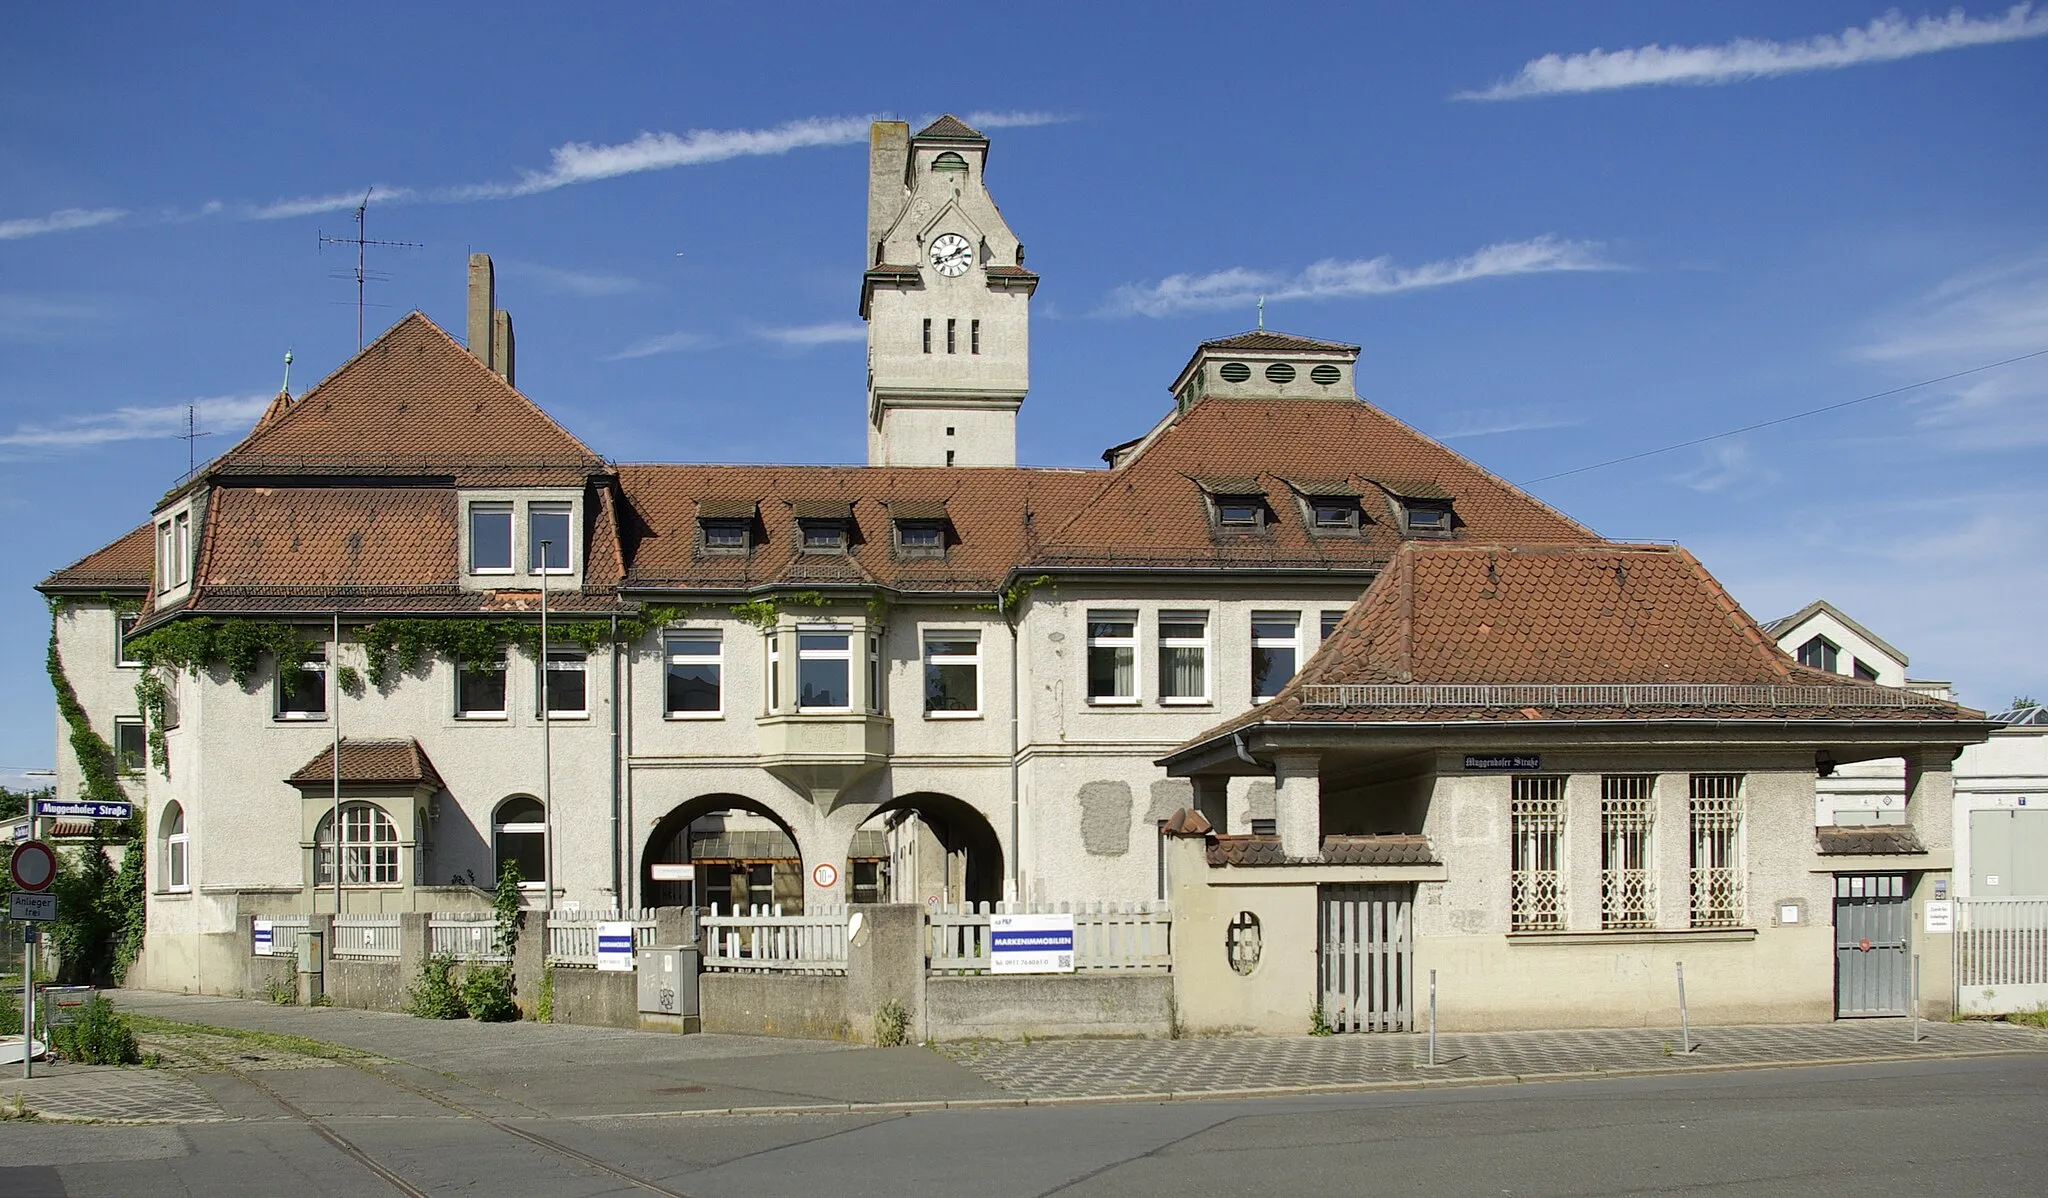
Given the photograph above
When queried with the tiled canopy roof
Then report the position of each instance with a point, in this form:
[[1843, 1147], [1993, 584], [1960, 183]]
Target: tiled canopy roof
[[949, 128], [370, 763], [1638, 630], [1392, 849], [123, 565]]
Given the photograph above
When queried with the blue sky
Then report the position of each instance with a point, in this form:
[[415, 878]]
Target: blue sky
[[1562, 234]]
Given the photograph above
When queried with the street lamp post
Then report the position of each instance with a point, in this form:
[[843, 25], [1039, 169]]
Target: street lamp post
[[547, 771]]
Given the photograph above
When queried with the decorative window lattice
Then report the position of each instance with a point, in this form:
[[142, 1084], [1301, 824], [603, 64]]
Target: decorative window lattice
[[1628, 882], [1714, 811], [1536, 868]]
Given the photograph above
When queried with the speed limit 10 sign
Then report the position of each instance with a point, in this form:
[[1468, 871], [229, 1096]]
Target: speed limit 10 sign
[[33, 865]]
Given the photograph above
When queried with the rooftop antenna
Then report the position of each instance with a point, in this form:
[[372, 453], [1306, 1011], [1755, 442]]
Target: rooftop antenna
[[362, 241], [287, 387], [1262, 314], [191, 437]]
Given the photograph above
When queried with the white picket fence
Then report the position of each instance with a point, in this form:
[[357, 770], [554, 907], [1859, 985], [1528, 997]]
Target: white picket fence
[[360, 937], [2001, 948], [285, 931], [1134, 937], [764, 940], [572, 933], [464, 935]]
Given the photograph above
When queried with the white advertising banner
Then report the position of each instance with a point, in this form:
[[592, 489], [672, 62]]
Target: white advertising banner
[[1031, 944]]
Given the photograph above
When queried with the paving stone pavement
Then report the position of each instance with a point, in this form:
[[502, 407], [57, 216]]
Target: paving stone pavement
[[1080, 1068], [61, 1090]]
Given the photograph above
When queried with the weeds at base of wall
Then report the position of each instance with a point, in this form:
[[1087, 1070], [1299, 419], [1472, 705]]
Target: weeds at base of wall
[[322, 999], [2038, 1017], [284, 994], [487, 992], [436, 995], [97, 1035], [892, 1025], [544, 1002], [1317, 1024]]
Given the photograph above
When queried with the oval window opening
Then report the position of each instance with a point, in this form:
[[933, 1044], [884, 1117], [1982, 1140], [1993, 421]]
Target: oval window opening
[[1279, 372], [1325, 374], [1235, 372], [1241, 942]]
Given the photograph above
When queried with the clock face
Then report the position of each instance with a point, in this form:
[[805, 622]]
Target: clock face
[[952, 255]]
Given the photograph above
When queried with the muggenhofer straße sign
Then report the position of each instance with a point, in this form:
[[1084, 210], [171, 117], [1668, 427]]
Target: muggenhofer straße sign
[[1513, 762], [58, 809]]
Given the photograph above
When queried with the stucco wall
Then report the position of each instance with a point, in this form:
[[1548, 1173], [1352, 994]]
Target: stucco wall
[[1051, 1005], [807, 1007]]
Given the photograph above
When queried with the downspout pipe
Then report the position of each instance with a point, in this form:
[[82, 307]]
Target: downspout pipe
[[1007, 608], [618, 871]]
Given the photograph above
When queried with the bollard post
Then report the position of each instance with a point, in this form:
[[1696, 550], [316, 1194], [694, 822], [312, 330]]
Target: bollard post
[[1913, 1015], [28, 1005], [1432, 1018], [1684, 1021]]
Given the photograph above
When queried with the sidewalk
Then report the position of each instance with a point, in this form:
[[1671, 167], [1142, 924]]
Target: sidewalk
[[370, 1063]]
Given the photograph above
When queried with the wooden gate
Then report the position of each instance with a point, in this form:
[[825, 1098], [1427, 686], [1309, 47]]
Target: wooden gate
[[1368, 957]]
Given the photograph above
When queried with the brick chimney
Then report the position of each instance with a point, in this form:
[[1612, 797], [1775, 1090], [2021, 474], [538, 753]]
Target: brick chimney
[[888, 180]]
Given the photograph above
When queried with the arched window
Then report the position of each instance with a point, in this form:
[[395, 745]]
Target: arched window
[[949, 161], [176, 864], [519, 835], [369, 847]]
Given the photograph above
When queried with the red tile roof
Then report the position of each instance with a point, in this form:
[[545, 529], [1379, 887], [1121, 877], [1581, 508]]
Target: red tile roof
[[1256, 340], [371, 762], [124, 565], [948, 128]]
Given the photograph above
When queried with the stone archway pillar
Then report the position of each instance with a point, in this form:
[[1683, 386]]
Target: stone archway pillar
[[1298, 803], [828, 841]]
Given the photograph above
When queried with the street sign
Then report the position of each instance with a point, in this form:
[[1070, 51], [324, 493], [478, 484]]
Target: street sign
[[1513, 762], [56, 809], [665, 871], [1940, 918], [1031, 944], [615, 947], [34, 908], [826, 875], [33, 865]]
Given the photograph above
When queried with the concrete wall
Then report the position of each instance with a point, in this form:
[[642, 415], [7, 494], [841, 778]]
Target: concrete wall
[[1048, 1005], [802, 1006]]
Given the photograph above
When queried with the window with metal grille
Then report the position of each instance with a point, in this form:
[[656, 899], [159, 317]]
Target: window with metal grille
[[1714, 811], [1536, 854], [1628, 882]]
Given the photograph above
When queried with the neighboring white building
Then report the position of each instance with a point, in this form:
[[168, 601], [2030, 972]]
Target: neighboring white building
[[2001, 812]]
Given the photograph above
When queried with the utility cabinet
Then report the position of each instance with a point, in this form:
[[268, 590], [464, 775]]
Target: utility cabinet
[[668, 980]]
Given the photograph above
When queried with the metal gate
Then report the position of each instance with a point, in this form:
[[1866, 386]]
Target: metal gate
[[1368, 957], [1872, 956]]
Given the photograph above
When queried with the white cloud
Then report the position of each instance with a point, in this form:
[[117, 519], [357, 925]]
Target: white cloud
[[61, 221], [1011, 120], [33, 318], [1491, 422], [584, 162], [340, 201], [222, 415], [808, 335], [1239, 287], [666, 343], [586, 284], [1969, 320], [1886, 39]]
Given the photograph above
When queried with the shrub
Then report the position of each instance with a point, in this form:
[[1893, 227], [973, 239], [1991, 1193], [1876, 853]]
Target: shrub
[[892, 1025], [98, 1035], [1318, 1025], [435, 995], [487, 992], [283, 993]]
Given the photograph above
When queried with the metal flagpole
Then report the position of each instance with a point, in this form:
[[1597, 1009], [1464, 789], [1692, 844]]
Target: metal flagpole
[[334, 717], [547, 772]]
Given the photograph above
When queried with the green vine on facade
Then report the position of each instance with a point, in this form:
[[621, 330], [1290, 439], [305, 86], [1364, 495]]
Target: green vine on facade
[[402, 644], [153, 699], [237, 645], [1015, 594], [762, 613], [104, 911], [96, 765]]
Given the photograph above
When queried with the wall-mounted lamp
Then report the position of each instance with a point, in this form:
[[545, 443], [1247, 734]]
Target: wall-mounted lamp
[[1824, 764]]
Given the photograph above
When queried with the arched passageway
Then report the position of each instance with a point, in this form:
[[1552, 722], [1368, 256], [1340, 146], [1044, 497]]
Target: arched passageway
[[740, 854], [923, 848]]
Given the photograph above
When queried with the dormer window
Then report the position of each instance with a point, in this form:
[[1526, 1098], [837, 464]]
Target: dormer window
[[725, 536], [1820, 653], [490, 538], [824, 536], [1338, 516], [1329, 506], [919, 525], [1429, 517], [1236, 505], [725, 527], [823, 526], [1424, 507], [547, 538]]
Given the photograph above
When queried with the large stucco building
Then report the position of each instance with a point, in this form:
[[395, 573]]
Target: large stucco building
[[936, 676]]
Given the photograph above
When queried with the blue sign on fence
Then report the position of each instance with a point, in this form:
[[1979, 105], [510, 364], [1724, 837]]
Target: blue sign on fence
[[1031, 944], [615, 947], [55, 809], [264, 938]]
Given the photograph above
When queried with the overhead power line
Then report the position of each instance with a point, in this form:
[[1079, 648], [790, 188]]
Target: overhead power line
[[1750, 428]]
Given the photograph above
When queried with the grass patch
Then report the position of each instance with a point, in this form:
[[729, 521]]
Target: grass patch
[[2034, 1018], [155, 1027]]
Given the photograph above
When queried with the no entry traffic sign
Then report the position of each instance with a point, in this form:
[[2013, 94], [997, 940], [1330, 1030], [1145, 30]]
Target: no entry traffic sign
[[33, 865]]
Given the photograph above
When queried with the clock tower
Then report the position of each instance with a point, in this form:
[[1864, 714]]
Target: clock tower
[[947, 301]]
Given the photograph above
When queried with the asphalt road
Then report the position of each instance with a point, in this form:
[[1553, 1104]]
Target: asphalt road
[[1947, 1128]]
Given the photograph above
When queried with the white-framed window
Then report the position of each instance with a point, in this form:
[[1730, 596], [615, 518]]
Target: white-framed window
[[1628, 880], [181, 548], [1820, 653], [302, 687], [480, 691], [1714, 813], [824, 669], [124, 627], [1183, 657], [519, 835], [694, 687], [1536, 853], [566, 684], [131, 745], [490, 538], [177, 849], [369, 847], [1112, 657], [1276, 651], [164, 581], [774, 672], [952, 674], [877, 678], [548, 548], [1332, 616]]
